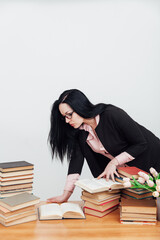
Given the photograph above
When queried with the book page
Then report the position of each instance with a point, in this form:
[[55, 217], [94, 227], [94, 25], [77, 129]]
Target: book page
[[90, 183], [71, 207], [51, 209], [105, 183]]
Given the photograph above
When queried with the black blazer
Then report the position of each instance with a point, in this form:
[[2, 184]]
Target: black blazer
[[118, 132]]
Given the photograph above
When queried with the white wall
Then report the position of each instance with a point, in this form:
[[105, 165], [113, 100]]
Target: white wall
[[108, 49]]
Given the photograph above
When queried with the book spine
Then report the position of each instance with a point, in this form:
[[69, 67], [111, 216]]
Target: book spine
[[108, 201], [103, 210], [140, 223], [103, 215]]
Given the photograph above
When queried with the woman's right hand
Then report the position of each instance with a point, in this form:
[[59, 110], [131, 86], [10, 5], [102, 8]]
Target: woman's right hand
[[60, 199]]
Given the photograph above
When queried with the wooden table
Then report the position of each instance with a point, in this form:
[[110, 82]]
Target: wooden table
[[108, 227]]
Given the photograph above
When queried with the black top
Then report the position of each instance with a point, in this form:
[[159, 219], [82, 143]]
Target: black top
[[118, 132]]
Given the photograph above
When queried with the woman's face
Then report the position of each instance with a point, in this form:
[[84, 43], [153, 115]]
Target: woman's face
[[70, 116]]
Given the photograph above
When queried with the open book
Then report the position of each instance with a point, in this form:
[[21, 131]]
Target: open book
[[98, 185], [59, 211]]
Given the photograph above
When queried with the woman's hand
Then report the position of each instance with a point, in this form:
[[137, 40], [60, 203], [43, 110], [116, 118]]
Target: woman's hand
[[110, 170], [60, 199]]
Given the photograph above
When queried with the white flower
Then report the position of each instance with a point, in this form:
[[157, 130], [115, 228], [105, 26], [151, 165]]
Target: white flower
[[143, 175], [126, 179], [141, 180], [155, 194], [127, 184], [158, 188], [153, 172], [150, 183], [158, 182]]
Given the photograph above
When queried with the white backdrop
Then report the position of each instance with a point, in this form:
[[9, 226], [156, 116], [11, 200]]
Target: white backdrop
[[108, 49]]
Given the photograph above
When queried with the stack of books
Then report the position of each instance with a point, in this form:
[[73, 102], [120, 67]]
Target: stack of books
[[136, 193], [100, 204], [18, 209], [131, 193], [100, 196], [133, 211], [15, 177]]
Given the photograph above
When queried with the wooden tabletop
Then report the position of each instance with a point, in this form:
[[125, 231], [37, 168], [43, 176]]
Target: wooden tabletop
[[108, 227]]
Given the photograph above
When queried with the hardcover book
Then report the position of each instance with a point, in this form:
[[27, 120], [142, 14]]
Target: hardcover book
[[14, 166], [102, 207], [19, 221], [16, 182], [9, 194], [125, 196], [16, 190], [14, 178], [17, 216], [138, 195], [98, 185], [145, 216], [138, 222], [16, 173], [101, 196], [136, 218], [137, 206], [92, 200], [138, 190], [97, 213], [14, 187], [19, 201], [60, 211], [120, 178], [129, 172], [6, 213]]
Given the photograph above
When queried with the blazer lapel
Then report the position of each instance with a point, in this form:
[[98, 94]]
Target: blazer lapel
[[101, 131]]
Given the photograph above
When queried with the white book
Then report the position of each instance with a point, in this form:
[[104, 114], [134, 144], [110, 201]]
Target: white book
[[98, 185], [60, 211]]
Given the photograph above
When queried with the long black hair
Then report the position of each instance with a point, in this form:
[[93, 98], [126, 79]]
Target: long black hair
[[62, 136]]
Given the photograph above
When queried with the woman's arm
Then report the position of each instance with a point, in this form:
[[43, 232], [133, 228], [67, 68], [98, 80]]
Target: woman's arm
[[60, 199], [131, 132], [74, 171]]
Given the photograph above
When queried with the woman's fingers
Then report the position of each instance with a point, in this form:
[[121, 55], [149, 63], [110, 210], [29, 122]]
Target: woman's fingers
[[112, 176], [51, 199], [108, 175], [101, 175], [116, 173]]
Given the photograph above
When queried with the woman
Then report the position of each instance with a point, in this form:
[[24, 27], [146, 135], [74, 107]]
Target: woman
[[103, 134]]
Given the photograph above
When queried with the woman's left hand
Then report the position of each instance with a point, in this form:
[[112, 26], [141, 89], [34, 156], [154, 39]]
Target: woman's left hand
[[110, 170]]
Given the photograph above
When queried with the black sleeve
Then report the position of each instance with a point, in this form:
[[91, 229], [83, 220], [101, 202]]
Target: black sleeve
[[77, 160], [130, 131]]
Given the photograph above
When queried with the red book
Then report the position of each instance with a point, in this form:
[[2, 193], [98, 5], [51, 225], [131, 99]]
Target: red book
[[96, 213], [101, 208], [130, 171]]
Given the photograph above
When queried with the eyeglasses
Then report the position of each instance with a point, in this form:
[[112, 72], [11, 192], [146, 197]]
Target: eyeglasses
[[68, 115]]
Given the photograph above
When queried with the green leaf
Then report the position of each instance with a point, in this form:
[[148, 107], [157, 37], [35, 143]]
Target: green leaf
[[136, 184]]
